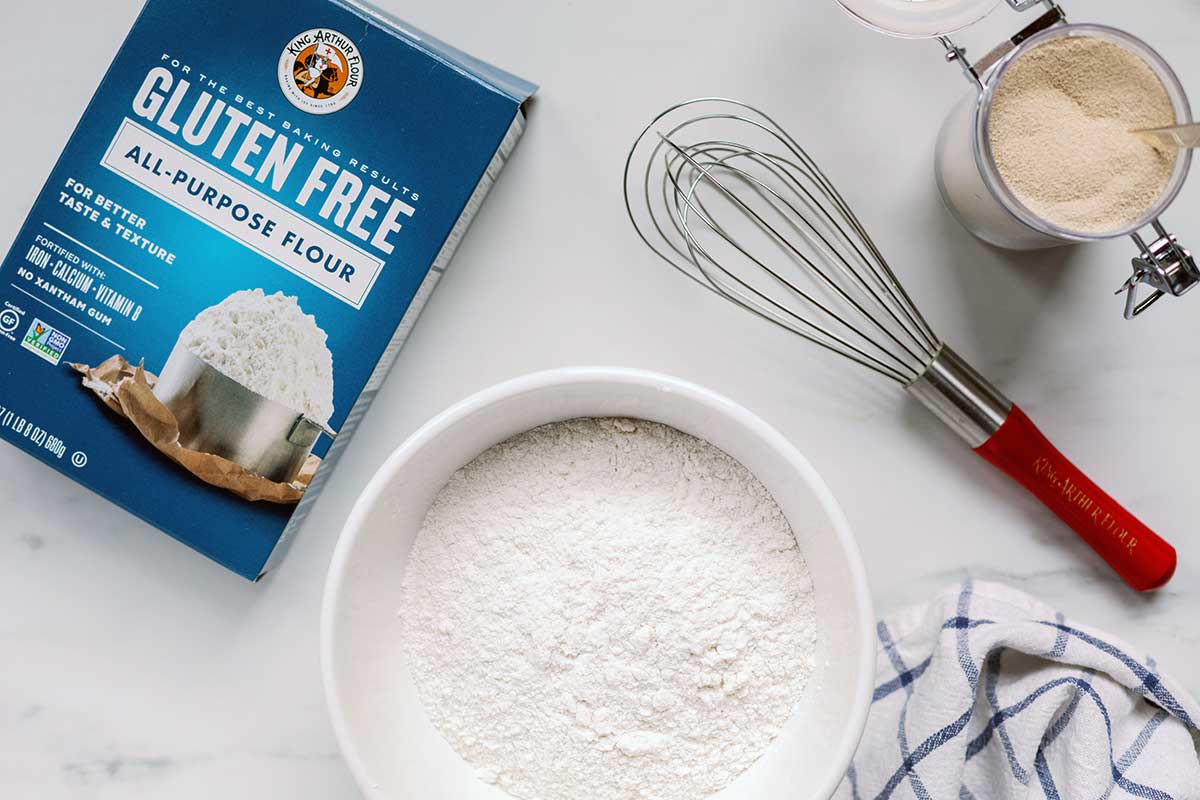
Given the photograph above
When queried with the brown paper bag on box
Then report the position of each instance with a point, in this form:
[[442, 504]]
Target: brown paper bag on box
[[128, 391]]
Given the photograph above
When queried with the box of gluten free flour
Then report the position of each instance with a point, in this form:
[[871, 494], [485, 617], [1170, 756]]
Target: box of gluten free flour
[[230, 252]]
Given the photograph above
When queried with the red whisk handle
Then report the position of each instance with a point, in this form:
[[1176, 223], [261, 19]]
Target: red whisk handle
[[1000, 432], [1134, 551]]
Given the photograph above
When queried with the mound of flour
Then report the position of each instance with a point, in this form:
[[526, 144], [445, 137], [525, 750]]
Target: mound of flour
[[1061, 134], [270, 346], [608, 609]]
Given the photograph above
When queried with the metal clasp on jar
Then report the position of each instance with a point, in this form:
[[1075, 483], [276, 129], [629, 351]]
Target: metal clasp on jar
[[1165, 266], [975, 72], [1023, 5]]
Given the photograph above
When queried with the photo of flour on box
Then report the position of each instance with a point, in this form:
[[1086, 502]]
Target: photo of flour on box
[[251, 380], [269, 345], [242, 400]]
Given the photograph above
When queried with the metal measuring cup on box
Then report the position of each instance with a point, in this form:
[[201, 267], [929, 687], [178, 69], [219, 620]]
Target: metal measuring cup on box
[[218, 415], [967, 176]]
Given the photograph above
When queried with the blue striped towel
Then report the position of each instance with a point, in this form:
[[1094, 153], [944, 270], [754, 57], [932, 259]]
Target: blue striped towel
[[986, 694]]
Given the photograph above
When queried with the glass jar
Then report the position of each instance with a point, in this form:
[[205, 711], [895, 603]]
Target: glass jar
[[966, 171], [919, 20], [971, 184]]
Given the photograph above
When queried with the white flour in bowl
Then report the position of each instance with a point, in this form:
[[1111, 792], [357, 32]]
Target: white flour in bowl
[[608, 609], [270, 346]]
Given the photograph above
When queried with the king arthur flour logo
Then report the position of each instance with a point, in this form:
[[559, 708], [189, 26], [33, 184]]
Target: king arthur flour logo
[[320, 71]]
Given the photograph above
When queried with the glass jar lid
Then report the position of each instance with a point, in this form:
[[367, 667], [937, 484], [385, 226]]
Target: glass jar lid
[[919, 19]]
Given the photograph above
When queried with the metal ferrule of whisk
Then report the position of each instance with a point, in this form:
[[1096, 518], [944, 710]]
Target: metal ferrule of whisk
[[962, 398]]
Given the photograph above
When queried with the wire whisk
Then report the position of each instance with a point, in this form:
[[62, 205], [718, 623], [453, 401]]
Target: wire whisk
[[807, 248], [721, 192]]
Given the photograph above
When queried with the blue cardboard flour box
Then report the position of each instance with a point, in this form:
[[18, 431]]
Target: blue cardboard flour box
[[230, 252]]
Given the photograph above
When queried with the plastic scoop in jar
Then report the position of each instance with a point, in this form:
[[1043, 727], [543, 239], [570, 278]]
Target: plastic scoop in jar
[[1176, 136]]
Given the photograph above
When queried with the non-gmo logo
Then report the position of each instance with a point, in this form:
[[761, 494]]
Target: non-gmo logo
[[320, 71], [46, 341]]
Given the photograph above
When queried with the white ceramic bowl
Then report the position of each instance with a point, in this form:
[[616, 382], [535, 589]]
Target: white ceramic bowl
[[390, 745]]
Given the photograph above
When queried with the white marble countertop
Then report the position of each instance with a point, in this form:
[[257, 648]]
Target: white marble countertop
[[135, 668]]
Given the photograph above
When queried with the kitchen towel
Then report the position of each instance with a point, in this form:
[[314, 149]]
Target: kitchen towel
[[987, 694]]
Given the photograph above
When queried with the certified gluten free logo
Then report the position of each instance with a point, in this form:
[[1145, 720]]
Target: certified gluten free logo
[[320, 71], [9, 320]]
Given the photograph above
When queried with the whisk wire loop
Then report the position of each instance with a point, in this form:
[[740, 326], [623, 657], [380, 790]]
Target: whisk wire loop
[[688, 203], [765, 228], [813, 234]]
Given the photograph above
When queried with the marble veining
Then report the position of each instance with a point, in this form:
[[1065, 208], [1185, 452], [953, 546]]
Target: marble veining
[[133, 668]]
